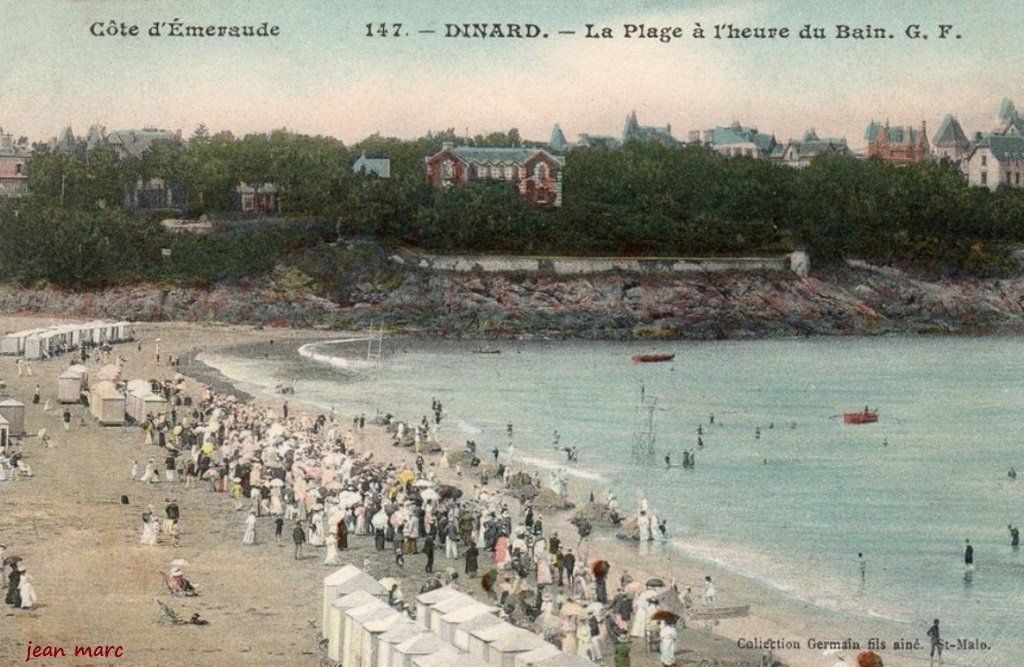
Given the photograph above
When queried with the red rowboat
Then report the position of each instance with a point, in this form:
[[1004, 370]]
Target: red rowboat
[[647, 358], [865, 417]]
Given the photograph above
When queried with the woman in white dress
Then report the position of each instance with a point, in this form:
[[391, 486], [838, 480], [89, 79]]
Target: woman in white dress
[[316, 528], [249, 538], [150, 528], [668, 644], [332, 544], [641, 610], [27, 591]]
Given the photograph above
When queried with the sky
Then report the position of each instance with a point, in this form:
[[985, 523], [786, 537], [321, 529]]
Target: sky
[[322, 74]]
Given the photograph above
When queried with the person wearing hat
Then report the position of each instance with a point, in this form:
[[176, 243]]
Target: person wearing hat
[[236, 492], [299, 537]]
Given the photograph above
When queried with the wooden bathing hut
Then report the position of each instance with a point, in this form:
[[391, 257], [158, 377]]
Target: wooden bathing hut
[[533, 657], [14, 412], [461, 632], [368, 632], [451, 621], [106, 403], [334, 629], [425, 601], [502, 651], [425, 644], [71, 383], [397, 634], [344, 581]]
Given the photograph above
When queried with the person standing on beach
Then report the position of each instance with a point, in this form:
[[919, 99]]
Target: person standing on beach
[[472, 556], [1014, 537], [66, 418], [709, 590], [569, 566], [968, 556], [936, 642], [278, 528], [428, 549], [863, 566], [299, 537], [249, 538]]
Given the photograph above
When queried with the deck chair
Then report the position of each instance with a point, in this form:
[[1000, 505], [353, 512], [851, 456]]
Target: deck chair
[[168, 616]]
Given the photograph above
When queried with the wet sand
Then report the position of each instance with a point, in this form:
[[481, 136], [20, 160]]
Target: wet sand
[[98, 585]]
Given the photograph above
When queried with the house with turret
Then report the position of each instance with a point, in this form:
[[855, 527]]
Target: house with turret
[[950, 142], [13, 177], [896, 144], [634, 131], [997, 158]]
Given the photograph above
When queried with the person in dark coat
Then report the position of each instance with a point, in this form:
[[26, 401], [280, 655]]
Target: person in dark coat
[[428, 549], [342, 536], [569, 565], [13, 586], [299, 537], [472, 554]]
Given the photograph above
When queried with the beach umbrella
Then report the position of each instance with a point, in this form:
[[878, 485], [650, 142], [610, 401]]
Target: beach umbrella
[[422, 483], [595, 608], [599, 568], [448, 491], [655, 583], [429, 494], [488, 580], [868, 659], [349, 498], [405, 476], [573, 609], [634, 587], [277, 482], [177, 430], [665, 615]]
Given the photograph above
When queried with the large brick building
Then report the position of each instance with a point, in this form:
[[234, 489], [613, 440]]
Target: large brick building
[[896, 145], [534, 172]]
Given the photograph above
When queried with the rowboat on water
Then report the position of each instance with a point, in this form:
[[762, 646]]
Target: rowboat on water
[[862, 417], [648, 358]]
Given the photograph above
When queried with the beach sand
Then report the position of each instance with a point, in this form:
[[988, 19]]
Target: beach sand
[[98, 585]]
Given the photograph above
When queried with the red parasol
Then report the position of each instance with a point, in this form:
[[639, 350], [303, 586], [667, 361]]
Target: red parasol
[[665, 615], [487, 581], [869, 659], [600, 568]]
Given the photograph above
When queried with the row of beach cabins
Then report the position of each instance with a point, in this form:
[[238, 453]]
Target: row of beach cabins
[[48, 342], [110, 402], [452, 629]]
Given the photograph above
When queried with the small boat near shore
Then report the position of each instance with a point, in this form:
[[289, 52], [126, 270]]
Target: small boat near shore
[[862, 417], [651, 358]]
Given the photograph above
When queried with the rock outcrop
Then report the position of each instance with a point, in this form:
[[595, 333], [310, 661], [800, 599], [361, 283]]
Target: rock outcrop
[[854, 300]]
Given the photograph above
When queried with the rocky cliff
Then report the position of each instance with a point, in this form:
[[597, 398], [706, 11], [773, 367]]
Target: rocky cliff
[[856, 300]]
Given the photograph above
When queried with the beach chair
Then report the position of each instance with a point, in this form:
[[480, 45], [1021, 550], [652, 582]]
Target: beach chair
[[168, 616]]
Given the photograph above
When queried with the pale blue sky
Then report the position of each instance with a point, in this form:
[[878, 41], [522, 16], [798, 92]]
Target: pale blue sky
[[322, 75]]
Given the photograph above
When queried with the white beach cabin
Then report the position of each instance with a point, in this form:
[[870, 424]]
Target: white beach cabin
[[461, 632], [14, 412], [533, 657], [106, 403], [344, 581], [402, 654], [502, 651], [397, 634], [358, 638], [334, 629], [450, 622], [425, 601], [71, 383]]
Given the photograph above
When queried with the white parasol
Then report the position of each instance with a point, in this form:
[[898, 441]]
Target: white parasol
[[422, 483], [349, 498], [429, 494], [277, 482]]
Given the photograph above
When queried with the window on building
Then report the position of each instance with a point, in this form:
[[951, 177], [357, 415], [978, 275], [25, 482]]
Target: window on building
[[984, 178], [495, 172], [447, 169], [509, 173], [540, 172], [481, 171], [1017, 178], [17, 168], [1007, 178], [248, 203], [984, 160]]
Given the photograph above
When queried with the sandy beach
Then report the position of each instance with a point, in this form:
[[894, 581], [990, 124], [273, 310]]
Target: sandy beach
[[98, 585]]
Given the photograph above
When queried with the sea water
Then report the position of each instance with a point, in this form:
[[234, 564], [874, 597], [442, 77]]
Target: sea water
[[782, 491]]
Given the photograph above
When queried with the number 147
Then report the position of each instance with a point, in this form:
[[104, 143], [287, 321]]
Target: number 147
[[383, 30]]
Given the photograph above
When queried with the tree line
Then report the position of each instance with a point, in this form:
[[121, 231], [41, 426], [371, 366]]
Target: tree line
[[639, 199]]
